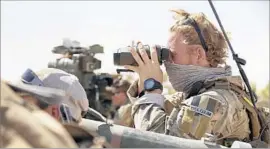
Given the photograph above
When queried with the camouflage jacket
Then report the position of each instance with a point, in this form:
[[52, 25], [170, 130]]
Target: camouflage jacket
[[213, 113], [123, 116]]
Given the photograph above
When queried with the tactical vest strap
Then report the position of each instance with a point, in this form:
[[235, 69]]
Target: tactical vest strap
[[222, 85]]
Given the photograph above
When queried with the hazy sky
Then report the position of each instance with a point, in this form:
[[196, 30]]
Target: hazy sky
[[29, 30]]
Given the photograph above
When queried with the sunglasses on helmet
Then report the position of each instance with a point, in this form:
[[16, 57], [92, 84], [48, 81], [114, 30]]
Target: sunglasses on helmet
[[29, 77]]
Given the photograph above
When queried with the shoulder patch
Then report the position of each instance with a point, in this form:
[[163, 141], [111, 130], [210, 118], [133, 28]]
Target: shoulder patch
[[203, 105]]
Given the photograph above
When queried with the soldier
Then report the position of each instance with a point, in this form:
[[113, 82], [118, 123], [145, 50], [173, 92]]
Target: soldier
[[24, 125], [70, 109], [76, 98], [121, 103], [210, 101], [52, 106], [47, 131]]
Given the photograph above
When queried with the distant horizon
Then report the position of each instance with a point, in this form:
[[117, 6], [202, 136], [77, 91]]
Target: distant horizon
[[30, 29]]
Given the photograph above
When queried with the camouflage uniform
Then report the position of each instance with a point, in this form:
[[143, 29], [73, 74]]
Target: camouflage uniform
[[213, 113], [123, 116]]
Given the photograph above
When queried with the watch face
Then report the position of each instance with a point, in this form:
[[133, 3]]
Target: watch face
[[149, 84]]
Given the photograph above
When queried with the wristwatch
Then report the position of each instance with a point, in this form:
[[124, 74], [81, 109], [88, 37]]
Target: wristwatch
[[151, 84]]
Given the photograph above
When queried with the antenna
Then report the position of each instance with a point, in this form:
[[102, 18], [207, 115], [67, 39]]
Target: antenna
[[239, 62]]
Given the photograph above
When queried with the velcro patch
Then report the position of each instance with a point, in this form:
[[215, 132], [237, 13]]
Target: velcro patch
[[201, 111], [203, 105]]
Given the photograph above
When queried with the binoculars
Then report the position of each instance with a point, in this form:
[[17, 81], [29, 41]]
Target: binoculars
[[124, 57]]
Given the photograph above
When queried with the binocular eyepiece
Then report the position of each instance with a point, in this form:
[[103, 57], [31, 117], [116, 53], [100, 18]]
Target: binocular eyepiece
[[124, 57]]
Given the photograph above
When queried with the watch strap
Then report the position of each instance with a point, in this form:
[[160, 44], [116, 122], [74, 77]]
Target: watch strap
[[157, 85]]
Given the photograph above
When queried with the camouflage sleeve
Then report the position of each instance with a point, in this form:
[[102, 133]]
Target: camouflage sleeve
[[200, 114], [147, 112], [149, 117], [123, 116]]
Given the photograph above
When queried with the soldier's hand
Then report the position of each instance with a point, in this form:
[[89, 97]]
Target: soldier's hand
[[147, 68]]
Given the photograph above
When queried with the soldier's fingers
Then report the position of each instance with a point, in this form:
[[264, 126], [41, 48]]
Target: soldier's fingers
[[144, 56], [154, 56], [133, 68], [139, 45], [143, 53], [136, 57]]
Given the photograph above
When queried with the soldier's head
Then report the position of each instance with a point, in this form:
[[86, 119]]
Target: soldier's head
[[25, 109], [194, 40], [51, 108], [47, 99], [119, 89], [75, 100]]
